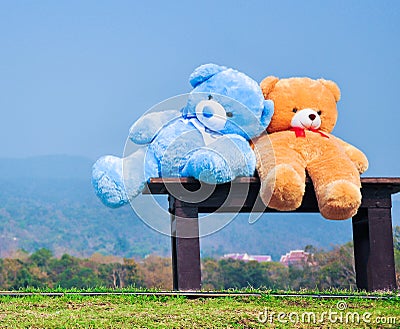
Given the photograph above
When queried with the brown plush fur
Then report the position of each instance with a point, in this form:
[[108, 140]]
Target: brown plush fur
[[283, 159]]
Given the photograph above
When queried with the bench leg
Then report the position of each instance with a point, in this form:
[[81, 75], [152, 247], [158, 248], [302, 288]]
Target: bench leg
[[185, 245], [373, 249]]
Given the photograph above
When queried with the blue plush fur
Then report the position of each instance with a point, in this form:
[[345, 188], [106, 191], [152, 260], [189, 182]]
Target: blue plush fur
[[205, 144]]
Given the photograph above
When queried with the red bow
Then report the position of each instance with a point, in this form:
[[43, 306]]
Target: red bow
[[301, 132]]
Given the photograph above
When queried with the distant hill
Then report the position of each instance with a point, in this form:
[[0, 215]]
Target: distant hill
[[49, 202]]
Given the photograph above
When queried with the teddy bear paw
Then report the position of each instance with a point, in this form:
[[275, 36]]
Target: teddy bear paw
[[283, 188], [339, 200]]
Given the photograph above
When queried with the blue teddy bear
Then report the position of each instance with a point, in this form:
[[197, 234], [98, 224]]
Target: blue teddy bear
[[206, 139]]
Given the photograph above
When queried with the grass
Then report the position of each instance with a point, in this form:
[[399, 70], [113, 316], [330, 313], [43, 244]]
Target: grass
[[147, 311]]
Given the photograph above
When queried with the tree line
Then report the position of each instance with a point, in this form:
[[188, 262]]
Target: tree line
[[326, 269], [42, 270]]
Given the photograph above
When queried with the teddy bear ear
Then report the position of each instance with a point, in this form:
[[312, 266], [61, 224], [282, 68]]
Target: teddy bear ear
[[333, 87], [204, 72], [268, 84]]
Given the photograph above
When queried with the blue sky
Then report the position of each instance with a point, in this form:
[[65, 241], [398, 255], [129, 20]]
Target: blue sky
[[74, 75]]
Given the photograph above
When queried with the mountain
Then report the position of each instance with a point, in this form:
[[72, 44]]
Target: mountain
[[48, 202]]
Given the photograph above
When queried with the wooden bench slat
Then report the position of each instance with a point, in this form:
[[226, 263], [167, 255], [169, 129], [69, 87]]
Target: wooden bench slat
[[157, 185]]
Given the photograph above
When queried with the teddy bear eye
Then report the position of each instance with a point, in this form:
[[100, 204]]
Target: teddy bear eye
[[229, 114], [295, 110], [319, 112]]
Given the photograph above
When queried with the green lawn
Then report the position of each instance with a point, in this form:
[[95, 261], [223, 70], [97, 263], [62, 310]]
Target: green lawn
[[128, 311]]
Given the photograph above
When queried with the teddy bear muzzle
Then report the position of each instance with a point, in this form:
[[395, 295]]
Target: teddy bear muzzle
[[211, 114], [306, 118]]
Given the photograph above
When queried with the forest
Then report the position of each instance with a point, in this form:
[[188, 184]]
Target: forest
[[41, 269]]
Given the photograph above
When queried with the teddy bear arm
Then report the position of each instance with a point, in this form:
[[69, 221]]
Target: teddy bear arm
[[144, 130], [355, 155]]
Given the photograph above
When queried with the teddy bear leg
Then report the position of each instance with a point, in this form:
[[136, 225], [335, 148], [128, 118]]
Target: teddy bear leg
[[283, 188], [207, 166], [117, 180], [282, 175], [337, 188], [107, 181], [138, 167], [221, 161]]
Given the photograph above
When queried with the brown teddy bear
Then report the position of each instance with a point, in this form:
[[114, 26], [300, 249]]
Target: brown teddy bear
[[299, 141]]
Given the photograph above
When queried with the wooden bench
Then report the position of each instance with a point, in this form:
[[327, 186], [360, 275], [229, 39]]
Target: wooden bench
[[372, 226]]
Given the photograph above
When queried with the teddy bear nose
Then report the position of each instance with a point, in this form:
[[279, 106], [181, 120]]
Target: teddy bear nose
[[312, 117]]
